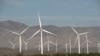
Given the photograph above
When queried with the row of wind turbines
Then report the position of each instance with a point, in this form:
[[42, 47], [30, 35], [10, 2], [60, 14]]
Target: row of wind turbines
[[41, 44]]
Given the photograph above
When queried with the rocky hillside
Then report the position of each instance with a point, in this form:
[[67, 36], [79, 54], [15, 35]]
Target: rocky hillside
[[63, 34]]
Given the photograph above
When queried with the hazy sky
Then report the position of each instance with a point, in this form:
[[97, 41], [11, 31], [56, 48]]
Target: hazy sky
[[52, 12]]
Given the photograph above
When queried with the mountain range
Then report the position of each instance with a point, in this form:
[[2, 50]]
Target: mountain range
[[63, 34]]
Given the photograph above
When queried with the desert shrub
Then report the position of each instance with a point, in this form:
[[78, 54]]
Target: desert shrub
[[59, 54], [19, 54]]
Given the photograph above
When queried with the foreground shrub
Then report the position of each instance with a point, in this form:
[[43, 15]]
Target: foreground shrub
[[58, 54], [19, 54]]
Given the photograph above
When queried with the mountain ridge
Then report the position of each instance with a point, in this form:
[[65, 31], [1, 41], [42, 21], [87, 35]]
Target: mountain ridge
[[63, 33]]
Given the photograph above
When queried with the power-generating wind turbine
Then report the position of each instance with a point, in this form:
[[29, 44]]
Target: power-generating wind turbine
[[98, 47], [39, 46], [13, 44], [55, 45], [41, 30], [26, 44], [78, 39], [70, 45], [87, 41], [48, 43], [20, 37], [66, 47]]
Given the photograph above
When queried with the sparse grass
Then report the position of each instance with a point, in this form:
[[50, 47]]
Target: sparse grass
[[58, 54], [20, 54]]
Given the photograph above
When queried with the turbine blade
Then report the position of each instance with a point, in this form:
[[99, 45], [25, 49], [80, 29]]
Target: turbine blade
[[49, 32], [51, 42], [90, 41], [39, 20], [76, 40], [13, 32], [25, 42], [74, 30], [24, 30], [83, 33], [34, 34]]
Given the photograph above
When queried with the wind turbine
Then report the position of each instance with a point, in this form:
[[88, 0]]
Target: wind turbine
[[56, 46], [78, 39], [87, 41], [39, 46], [70, 45], [48, 43], [41, 30], [98, 47], [66, 46], [13, 44], [26, 43], [20, 37]]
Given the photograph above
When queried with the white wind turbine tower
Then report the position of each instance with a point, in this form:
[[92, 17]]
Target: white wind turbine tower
[[13, 44], [78, 39], [20, 38], [70, 45], [98, 47], [41, 30]]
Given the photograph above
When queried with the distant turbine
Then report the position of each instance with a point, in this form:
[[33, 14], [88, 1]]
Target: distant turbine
[[98, 47], [78, 39], [48, 43], [56, 47], [39, 46], [70, 45], [66, 46], [13, 44], [41, 30], [87, 41], [20, 37], [26, 43]]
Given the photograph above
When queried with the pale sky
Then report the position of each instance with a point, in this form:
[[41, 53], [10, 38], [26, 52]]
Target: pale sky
[[52, 12]]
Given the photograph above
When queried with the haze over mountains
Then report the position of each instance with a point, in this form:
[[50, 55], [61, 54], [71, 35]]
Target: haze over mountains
[[63, 34]]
